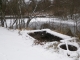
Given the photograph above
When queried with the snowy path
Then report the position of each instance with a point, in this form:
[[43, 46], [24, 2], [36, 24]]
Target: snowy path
[[14, 47]]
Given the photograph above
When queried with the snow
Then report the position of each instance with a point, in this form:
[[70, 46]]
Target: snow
[[56, 20], [44, 20], [26, 0], [14, 46], [18, 45], [73, 54]]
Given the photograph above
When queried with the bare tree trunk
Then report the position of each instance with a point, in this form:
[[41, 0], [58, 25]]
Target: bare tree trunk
[[2, 22], [2, 19], [29, 19]]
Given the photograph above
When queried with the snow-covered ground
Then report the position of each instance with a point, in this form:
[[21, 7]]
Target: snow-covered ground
[[16, 45], [45, 20], [56, 22]]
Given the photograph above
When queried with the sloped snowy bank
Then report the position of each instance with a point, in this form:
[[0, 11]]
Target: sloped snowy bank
[[16, 45]]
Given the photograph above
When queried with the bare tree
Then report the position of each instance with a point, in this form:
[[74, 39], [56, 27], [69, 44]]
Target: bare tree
[[3, 4], [31, 15], [2, 21]]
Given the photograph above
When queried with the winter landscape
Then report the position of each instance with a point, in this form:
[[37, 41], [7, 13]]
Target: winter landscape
[[39, 30]]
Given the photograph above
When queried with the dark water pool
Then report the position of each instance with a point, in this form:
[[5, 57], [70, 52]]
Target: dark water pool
[[43, 36]]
